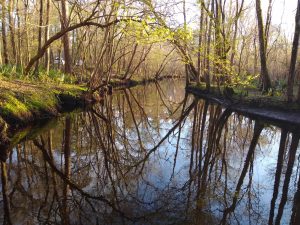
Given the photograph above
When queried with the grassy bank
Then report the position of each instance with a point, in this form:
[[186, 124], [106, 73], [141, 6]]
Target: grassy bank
[[22, 102]]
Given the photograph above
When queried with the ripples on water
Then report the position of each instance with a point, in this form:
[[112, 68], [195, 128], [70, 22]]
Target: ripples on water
[[151, 155]]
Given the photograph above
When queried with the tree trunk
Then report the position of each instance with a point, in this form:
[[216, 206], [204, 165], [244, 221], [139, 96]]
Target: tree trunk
[[187, 80], [239, 9], [295, 217], [294, 57], [47, 56], [12, 28], [288, 174], [258, 127], [268, 20], [130, 62], [280, 160], [4, 40], [291, 77], [39, 37], [65, 24], [207, 72], [266, 81], [67, 172], [19, 53], [28, 54], [200, 43], [5, 194]]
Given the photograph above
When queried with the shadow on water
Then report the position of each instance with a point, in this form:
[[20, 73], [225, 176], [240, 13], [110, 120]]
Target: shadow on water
[[153, 155]]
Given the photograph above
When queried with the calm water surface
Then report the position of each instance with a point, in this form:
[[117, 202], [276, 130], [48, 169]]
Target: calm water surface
[[152, 155]]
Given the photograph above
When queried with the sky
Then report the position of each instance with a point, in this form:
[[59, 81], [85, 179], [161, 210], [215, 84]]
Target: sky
[[283, 13]]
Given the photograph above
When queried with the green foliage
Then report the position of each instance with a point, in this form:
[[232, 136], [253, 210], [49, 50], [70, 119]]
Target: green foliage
[[280, 85], [245, 80], [54, 76], [11, 72], [146, 32]]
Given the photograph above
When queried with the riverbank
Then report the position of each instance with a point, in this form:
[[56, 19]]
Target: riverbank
[[23, 102], [264, 107], [128, 83]]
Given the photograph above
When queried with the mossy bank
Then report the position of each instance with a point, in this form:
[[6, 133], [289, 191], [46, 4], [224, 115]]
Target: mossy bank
[[23, 102]]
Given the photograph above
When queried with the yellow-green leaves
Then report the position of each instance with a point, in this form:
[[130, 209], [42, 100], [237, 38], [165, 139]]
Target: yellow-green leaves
[[147, 31]]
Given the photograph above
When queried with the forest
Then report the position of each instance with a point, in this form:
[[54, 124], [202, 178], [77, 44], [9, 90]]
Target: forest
[[215, 42]]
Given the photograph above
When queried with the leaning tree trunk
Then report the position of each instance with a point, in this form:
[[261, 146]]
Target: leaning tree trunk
[[266, 81]]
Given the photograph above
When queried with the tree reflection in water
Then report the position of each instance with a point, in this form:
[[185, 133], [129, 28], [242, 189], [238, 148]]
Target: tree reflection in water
[[153, 155]]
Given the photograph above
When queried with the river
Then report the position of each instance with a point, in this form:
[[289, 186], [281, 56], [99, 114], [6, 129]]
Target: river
[[152, 155]]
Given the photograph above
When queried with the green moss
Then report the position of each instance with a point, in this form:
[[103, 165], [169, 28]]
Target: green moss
[[12, 105], [21, 101], [19, 136]]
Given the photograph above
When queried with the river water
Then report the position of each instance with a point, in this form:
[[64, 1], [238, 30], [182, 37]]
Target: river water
[[152, 155]]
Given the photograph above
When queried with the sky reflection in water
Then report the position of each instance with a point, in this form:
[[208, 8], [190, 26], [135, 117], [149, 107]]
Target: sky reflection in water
[[151, 155]]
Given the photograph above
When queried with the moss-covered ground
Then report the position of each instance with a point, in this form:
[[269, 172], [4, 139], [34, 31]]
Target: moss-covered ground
[[21, 101]]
